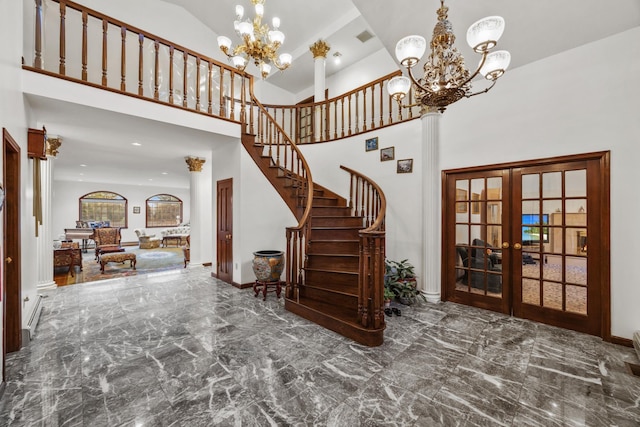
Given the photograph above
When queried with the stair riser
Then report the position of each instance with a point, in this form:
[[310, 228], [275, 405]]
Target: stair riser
[[336, 221], [324, 202], [349, 302], [330, 211], [344, 282], [335, 234], [352, 248], [330, 262]]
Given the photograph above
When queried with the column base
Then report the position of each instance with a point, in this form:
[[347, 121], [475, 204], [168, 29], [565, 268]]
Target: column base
[[432, 297], [46, 286]]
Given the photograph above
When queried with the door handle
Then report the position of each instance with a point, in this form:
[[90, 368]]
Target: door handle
[[517, 246], [8, 260], [505, 245]]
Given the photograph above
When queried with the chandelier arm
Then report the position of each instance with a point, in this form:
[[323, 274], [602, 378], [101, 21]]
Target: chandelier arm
[[475, 73], [493, 83], [415, 82]]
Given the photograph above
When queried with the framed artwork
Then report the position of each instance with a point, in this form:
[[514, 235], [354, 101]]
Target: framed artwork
[[405, 166], [475, 204], [387, 154], [136, 209], [371, 144]]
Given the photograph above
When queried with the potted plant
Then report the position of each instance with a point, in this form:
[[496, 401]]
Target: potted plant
[[388, 296], [400, 279]]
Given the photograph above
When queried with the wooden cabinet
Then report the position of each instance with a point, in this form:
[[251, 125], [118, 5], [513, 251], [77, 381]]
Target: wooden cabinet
[[37, 144]]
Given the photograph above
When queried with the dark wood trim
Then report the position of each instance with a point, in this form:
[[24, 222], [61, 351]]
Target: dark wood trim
[[207, 264], [605, 244], [11, 278], [620, 341], [234, 284], [529, 163]]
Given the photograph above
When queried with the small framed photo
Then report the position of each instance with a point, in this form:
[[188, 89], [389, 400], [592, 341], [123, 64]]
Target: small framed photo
[[405, 166], [387, 154], [136, 209], [371, 144]]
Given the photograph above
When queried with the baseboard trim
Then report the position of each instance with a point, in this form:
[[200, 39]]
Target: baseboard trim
[[235, 284], [621, 341], [207, 264]]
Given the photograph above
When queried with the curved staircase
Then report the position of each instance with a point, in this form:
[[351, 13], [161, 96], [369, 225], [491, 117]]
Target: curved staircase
[[335, 256]]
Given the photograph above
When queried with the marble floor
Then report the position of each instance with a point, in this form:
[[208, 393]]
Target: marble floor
[[182, 349]]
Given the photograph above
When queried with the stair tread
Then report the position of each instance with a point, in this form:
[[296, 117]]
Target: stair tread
[[332, 254], [346, 227], [333, 291], [326, 270], [330, 310], [336, 216], [334, 240]]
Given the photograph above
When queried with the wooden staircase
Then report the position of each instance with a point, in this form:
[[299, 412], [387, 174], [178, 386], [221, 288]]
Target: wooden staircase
[[335, 256]]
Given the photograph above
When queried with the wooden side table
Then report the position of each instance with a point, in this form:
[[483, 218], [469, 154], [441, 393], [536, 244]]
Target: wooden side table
[[264, 287]]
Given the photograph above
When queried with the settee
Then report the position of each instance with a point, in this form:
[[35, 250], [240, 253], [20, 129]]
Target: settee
[[178, 235], [146, 240]]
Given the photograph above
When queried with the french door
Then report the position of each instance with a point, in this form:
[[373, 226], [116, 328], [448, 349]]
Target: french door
[[531, 239]]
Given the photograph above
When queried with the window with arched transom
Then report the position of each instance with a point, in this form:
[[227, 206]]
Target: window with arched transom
[[103, 209], [163, 210]]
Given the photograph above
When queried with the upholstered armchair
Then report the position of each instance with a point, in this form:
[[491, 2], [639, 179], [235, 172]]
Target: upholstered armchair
[[147, 241], [107, 239]]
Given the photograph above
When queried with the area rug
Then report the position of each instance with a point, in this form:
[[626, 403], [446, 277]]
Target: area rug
[[147, 261]]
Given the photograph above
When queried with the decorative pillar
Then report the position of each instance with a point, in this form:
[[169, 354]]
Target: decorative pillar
[[431, 205], [196, 206], [44, 241], [319, 50]]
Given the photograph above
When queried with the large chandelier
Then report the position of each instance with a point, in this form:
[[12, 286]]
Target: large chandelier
[[445, 79], [259, 42]]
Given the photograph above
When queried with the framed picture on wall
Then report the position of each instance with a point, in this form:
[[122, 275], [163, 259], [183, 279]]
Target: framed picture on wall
[[405, 166], [387, 154], [136, 209], [371, 144]]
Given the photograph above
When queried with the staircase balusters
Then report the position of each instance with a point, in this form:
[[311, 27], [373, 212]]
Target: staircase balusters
[[123, 59], [63, 11], [105, 27]]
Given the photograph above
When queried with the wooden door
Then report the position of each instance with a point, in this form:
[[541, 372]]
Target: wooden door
[[11, 279], [224, 203], [477, 230], [531, 239]]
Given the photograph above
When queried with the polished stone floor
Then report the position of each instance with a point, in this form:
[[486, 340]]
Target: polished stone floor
[[182, 349]]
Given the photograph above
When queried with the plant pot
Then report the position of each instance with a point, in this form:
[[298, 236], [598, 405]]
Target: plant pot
[[267, 265], [387, 303], [407, 301]]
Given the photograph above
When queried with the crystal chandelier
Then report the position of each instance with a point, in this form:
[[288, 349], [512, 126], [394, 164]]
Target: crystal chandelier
[[445, 79], [259, 42]]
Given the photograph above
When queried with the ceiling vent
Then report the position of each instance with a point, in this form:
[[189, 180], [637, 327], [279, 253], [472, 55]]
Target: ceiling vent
[[364, 36]]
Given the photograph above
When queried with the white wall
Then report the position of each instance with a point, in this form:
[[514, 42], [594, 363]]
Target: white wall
[[14, 116], [581, 101], [66, 209], [404, 206], [260, 216]]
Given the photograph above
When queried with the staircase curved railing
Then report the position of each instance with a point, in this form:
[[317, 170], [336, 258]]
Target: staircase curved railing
[[289, 159], [366, 199]]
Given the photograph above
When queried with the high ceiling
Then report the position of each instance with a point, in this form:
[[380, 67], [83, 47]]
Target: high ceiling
[[534, 30]]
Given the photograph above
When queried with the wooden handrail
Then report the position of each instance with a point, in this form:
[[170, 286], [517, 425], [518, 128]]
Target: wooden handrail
[[270, 134], [367, 199], [104, 63]]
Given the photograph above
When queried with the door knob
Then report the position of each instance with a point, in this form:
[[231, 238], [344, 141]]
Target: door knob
[[505, 245], [517, 246], [8, 260]]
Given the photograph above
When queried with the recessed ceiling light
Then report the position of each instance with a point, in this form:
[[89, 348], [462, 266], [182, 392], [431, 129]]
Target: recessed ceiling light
[[336, 58], [137, 144], [83, 166], [150, 179], [81, 174], [165, 173]]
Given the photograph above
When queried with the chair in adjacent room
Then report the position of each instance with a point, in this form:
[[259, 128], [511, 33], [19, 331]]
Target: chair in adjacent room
[[107, 240]]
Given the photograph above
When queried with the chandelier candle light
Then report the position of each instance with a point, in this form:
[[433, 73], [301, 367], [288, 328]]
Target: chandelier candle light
[[259, 42], [445, 79]]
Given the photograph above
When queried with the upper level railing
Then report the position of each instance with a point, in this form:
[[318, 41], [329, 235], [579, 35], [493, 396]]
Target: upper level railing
[[367, 200], [86, 46], [368, 107]]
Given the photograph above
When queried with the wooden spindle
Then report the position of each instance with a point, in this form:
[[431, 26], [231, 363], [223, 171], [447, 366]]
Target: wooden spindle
[[364, 109], [171, 52], [156, 69], [222, 112], [37, 60], [349, 99], [342, 113], [210, 91], [197, 84], [140, 64], [185, 57], [232, 95], [105, 27], [63, 12], [123, 60], [85, 19], [335, 119], [243, 101]]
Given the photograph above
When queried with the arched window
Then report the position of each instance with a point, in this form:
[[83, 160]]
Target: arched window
[[164, 210], [105, 207]]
